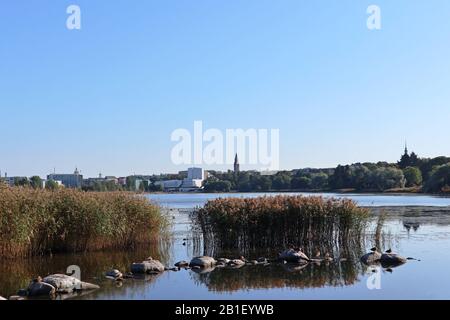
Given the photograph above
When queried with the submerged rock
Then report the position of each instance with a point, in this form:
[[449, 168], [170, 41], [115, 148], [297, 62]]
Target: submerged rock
[[114, 274], [147, 266], [223, 260], [203, 262], [237, 262], [294, 256], [262, 260], [66, 284], [294, 267], [182, 264], [371, 258], [391, 260], [199, 270], [39, 288]]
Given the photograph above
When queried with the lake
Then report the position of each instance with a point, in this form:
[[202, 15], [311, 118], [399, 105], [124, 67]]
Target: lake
[[415, 226]]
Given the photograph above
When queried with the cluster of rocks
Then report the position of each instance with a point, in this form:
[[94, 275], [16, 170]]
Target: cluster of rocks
[[52, 285], [387, 259], [61, 283]]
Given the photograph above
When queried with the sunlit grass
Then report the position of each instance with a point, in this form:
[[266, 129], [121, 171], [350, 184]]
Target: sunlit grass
[[312, 222], [40, 221]]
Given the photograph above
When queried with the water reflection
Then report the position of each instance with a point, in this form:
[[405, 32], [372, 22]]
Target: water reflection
[[337, 279], [17, 273], [280, 276]]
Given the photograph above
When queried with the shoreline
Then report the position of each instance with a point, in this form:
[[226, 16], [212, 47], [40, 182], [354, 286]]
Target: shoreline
[[387, 193]]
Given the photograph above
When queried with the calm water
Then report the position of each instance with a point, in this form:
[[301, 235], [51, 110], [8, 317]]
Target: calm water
[[414, 231]]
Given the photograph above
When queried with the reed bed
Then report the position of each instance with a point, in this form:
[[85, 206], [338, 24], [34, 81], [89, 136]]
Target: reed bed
[[314, 223], [34, 222]]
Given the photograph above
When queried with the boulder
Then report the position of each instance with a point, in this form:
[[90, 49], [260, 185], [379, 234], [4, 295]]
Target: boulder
[[371, 258], [293, 256], [182, 264], [262, 260], [147, 266], [22, 292], [39, 288], [223, 260], [236, 262], [66, 284], [114, 274], [391, 260], [203, 262]]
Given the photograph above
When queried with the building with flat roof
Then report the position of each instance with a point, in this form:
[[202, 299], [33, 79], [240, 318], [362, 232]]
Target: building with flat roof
[[74, 180]]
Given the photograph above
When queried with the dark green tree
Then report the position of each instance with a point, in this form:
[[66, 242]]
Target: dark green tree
[[51, 185], [439, 180], [413, 176], [36, 182]]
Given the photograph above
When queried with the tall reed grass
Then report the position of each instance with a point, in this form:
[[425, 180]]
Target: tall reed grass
[[315, 223], [34, 222]]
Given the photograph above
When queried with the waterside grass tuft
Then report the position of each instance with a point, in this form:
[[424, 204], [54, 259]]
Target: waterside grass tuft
[[34, 222], [315, 223]]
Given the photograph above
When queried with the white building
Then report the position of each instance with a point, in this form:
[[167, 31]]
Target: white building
[[196, 173], [169, 185]]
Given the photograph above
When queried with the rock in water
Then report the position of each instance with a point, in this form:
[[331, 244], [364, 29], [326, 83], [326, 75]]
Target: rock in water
[[236, 262], [147, 266], [391, 260], [1, 298], [262, 260], [371, 258], [66, 284], [223, 260], [39, 288], [293, 256], [114, 274], [182, 264], [203, 262]]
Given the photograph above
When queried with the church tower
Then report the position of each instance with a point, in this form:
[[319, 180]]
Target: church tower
[[236, 164]]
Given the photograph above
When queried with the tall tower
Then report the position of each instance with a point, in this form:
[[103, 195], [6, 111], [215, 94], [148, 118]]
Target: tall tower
[[236, 164]]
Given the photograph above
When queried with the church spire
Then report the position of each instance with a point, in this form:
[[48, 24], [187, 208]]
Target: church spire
[[236, 164]]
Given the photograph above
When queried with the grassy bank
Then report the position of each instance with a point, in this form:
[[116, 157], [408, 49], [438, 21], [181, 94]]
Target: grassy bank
[[315, 223], [36, 222]]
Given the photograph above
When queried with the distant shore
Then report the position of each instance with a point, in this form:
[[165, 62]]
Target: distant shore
[[405, 191]]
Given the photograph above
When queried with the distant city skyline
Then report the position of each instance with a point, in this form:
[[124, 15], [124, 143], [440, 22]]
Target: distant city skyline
[[106, 98]]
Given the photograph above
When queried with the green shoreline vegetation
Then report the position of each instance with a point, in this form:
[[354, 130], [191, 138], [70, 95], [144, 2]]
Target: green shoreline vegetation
[[35, 221], [409, 175]]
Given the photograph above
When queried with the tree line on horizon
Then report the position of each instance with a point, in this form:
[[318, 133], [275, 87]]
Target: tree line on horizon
[[410, 173]]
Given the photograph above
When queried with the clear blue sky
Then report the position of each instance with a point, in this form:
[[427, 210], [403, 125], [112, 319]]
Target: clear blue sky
[[107, 97]]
